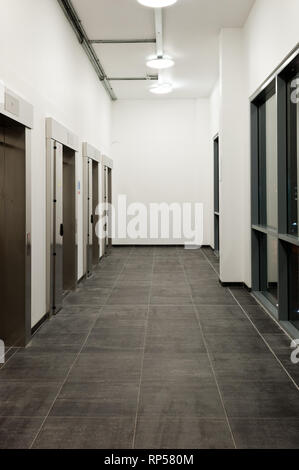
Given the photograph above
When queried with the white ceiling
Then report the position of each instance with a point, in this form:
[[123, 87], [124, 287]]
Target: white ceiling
[[191, 32]]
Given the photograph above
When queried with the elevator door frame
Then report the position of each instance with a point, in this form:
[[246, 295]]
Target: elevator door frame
[[91, 156], [58, 135], [20, 111]]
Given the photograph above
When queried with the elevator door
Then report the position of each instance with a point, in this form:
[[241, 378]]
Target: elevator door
[[95, 216], [93, 247], [89, 217], [13, 251], [69, 220], [105, 212], [64, 248], [109, 214], [57, 248]]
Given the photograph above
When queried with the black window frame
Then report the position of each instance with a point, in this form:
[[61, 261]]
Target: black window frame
[[280, 79], [216, 196]]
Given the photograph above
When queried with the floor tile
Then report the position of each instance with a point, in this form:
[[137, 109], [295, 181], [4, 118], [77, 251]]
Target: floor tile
[[18, 433], [176, 367], [222, 325], [261, 367], [94, 399], [260, 400], [266, 433], [164, 312], [121, 315], [183, 340], [243, 296], [218, 312], [36, 366], [235, 344], [129, 296], [170, 295], [107, 366], [80, 310], [27, 399], [198, 399], [132, 276], [115, 339], [211, 296], [87, 297], [182, 433], [175, 278], [86, 433]]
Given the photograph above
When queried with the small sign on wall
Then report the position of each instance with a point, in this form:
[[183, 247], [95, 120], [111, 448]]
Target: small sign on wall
[[79, 187]]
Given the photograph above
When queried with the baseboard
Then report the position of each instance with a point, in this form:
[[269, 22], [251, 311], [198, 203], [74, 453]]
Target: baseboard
[[82, 278], [40, 323], [235, 284]]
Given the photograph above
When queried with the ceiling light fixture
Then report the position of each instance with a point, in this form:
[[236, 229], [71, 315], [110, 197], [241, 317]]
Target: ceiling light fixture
[[161, 88], [157, 3], [160, 63]]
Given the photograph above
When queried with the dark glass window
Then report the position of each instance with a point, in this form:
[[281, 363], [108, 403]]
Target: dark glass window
[[293, 147], [294, 285], [268, 202], [216, 196], [216, 175], [269, 267]]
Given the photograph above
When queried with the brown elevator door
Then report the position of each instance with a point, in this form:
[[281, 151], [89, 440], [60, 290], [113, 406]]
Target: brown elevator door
[[12, 231]]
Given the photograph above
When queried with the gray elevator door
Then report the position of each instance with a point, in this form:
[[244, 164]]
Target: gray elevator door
[[57, 273], [93, 248], [89, 217], [95, 217], [12, 232], [69, 220], [105, 196], [64, 249]]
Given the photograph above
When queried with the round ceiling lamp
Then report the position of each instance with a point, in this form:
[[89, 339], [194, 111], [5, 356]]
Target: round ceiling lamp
[[157, 3], [160, 63], [161, 88]]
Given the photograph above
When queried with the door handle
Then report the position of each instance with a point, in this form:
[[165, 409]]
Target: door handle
[[61, 230], [91, 219]]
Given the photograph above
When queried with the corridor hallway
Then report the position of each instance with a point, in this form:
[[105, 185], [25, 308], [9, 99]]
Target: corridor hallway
[[151, 352]]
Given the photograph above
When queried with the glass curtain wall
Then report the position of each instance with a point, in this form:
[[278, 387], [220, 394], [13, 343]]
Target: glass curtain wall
[[274, 183]]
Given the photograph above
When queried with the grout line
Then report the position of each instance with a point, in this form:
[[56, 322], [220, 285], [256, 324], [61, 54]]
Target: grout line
[[10, 357], [2, 366], [260, 334], [266, 343], [213, 370], [259, 304], [69, 371], [272, 318], [143, 355]]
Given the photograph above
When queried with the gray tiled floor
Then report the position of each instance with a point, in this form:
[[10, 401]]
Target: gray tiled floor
[[151, 352]]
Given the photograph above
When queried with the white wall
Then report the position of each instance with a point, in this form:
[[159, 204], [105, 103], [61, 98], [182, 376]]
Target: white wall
[[41, 60], [270, 33], [247, 57], [160, 150], [215, 110], [231, 150]]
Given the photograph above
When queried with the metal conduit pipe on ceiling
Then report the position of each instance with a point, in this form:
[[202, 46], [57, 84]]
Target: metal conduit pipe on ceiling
[[76, 24], [86, 43]]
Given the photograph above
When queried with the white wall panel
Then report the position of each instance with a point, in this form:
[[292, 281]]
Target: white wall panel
[[41, 60]]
